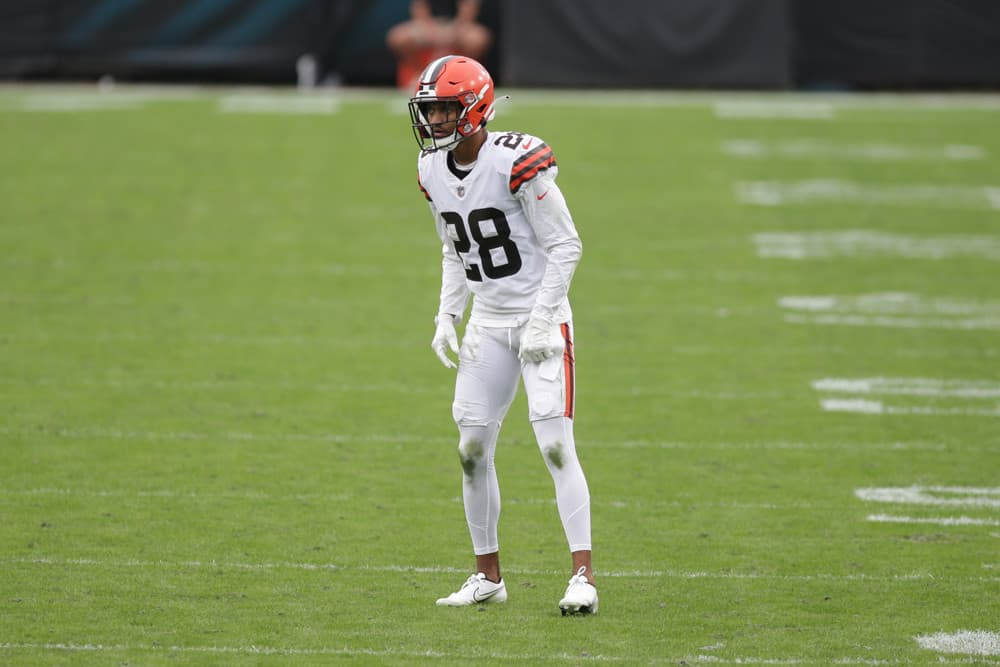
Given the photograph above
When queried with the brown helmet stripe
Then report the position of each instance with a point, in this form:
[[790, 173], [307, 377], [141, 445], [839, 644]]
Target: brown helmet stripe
[[435, 69]]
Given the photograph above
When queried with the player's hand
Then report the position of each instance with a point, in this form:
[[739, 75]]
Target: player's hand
[[445, 337], [540, 340]]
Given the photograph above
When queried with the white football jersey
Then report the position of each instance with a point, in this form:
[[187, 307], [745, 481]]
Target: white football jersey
[[502, 224]]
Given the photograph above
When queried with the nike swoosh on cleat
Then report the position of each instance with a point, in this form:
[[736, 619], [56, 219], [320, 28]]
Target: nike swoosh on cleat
[[477, 598], [542, 196]]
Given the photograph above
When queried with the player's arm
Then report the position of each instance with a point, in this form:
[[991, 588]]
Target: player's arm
[[454, 295], [454, 290], [549, 216]]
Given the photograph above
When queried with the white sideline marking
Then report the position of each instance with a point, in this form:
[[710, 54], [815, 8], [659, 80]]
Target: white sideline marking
[[186, 266], [225, 339], [221, 385], [910, 386], [779, 193], [967, 496], [278, 104], [973, 642], [613, 503], [716, 660], [52, 102], [821, 148], [863, 243], [940, 521], [70, 647], [270, 650], [338, 498], [774, 109], [892, 102], [171, 493], [892, 309], [436, 569], [118, 434]]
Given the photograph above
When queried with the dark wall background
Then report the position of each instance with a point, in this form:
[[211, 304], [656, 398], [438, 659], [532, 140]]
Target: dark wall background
[[637, 43], [897, 43], [909, 44]]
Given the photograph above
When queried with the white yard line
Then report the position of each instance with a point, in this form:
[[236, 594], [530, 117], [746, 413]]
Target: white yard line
[[256, 649], [890, 322], [438, 569], [726, 104], [780, 193], [985, 389], [939, 496], [228, 385], [171, 265], [809, 148], [464, 655], [110, 433], [972, 642], [937, 521], [892, 309], [193, 266], [890, 303], [866, 243], [278, 104], [869, 407], [178, 494]]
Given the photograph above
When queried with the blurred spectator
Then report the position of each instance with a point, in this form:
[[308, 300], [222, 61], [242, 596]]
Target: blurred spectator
[[436, 28]]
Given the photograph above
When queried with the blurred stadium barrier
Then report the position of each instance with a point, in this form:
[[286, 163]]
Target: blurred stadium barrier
[[552, 43]]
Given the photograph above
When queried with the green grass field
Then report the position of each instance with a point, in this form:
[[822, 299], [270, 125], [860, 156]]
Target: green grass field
[[225, 439]]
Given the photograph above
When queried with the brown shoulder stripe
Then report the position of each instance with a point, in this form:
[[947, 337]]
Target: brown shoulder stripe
[[530, 165]]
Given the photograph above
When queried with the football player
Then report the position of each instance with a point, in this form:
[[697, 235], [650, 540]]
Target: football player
[[509, 242]]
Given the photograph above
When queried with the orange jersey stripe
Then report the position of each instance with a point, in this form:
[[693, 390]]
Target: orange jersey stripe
[[530, 165], [569, 368], [422, 188]]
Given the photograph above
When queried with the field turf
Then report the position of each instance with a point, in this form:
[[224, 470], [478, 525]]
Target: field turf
[[225, 439]]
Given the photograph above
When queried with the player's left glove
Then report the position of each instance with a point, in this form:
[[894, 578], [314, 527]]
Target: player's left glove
[[540, 340], [445, 337]]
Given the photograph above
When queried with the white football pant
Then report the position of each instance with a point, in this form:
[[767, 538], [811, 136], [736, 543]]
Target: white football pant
[[488, 374]]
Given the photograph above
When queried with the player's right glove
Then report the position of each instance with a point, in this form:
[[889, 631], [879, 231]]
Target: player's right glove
[[540, 340], [445, 337]]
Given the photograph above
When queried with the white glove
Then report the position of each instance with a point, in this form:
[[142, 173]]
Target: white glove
[[445, 337], [540, 340]]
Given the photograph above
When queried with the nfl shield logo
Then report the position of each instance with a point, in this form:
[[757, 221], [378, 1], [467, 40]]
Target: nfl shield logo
[[460, 190]]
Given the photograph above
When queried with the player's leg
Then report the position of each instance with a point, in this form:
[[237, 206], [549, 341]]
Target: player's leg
[[555, 439], [484, 389], [551, 387]]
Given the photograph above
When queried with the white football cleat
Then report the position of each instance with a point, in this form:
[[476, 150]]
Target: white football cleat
[[477, 589], [580, 597]]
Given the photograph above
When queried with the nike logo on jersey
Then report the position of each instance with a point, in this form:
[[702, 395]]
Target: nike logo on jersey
[[542, 196], [527, 144]]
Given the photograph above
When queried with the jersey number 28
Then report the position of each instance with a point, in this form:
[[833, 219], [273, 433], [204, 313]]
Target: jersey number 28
[[500, 240]]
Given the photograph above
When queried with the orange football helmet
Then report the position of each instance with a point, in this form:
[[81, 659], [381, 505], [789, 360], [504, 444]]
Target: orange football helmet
[[457, 80]]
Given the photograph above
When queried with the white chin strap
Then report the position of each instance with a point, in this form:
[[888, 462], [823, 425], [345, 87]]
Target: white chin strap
[[455, 139]]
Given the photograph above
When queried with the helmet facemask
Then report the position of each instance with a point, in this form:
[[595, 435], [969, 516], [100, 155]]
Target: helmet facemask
[[427, 134]]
